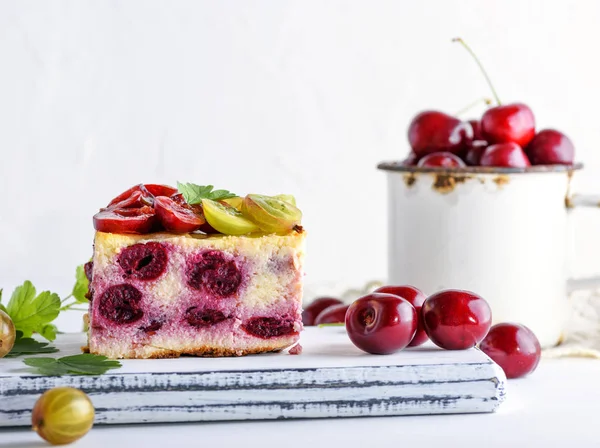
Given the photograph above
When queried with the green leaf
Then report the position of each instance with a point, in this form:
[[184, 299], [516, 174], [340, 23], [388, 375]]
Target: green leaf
[[47, 366], [84, 364], [81, 285], [30, 313], [29, 346], [193, 194], [49, 331]]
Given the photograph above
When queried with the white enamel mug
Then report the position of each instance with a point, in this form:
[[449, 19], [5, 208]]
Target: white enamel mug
[[499, 232]]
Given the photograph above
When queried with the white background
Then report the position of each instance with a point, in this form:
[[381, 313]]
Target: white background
[[277, 96]]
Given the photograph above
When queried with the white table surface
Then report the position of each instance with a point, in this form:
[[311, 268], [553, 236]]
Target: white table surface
[[558, 405]]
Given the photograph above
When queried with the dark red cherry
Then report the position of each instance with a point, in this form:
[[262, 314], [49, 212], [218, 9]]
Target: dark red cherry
[[147, 191], [475, 151], [476, 126], [411, 160], [510, 123], [121, 304], [177, 218], [204, 317], [416, 298], [146, 261], [514, 348], [334, 314], [433, 131], [213, 272], [506, 155], [312, 310], [456, 319], [441, 160], [550, 147], [381, 323], [125, 220], [269, 327]]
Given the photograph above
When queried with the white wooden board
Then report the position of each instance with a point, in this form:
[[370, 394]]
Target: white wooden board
[[331, 378]]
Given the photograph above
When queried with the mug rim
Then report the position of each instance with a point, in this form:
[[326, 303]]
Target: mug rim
[[396, 165]]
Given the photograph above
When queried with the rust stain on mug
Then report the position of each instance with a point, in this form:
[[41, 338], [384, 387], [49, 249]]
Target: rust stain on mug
[[410, 179], [501, 180], [568, 197], [445, 183]]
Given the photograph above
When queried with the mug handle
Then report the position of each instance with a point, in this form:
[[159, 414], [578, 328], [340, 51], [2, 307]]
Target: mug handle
[[583, 200]]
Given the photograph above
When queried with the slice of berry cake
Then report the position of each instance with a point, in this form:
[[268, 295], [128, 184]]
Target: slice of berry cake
[[158, 294]]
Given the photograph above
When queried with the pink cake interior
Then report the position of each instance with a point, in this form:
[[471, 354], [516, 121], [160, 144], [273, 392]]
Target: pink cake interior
[[163, 295]]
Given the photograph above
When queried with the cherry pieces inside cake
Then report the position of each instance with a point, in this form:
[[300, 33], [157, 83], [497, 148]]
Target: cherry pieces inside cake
[[195, 271]]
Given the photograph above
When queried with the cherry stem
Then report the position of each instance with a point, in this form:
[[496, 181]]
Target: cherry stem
[[340, 324], [487, 78], [487, 102]]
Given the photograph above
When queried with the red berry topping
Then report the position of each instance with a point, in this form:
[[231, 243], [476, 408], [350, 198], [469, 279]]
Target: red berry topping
[[120, 304], [160, 190], [198, 317], [143, 261], [88, 268], [511, 123], [416, 298], [441, 160], [269, 327], [175, 217], [508, 155], [334, 314], [514, 348], [455, 319], [147, 191], [550, 147], [134, 200], [213, 272], [381, 323], [475, 151], [311, 312], [433, 131], [125, 220]]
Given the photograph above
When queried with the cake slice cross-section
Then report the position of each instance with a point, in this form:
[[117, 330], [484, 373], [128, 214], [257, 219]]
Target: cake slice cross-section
[[162, 294]]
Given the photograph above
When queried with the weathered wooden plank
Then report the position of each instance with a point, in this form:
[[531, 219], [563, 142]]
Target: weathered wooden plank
[[330, 379]]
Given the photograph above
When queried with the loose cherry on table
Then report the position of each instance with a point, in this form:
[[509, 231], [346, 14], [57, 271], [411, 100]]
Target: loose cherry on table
[[381, 323], [416, 298], [456, 319], [551, 147], [513, 347], [433, 131], [441, 160], [335, 314], [508, 155], [313, 309]]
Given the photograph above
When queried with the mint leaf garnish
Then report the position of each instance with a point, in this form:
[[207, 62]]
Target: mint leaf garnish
[[84, 364], [193, 194], [30, 312], [29, 346], [81, 285]]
